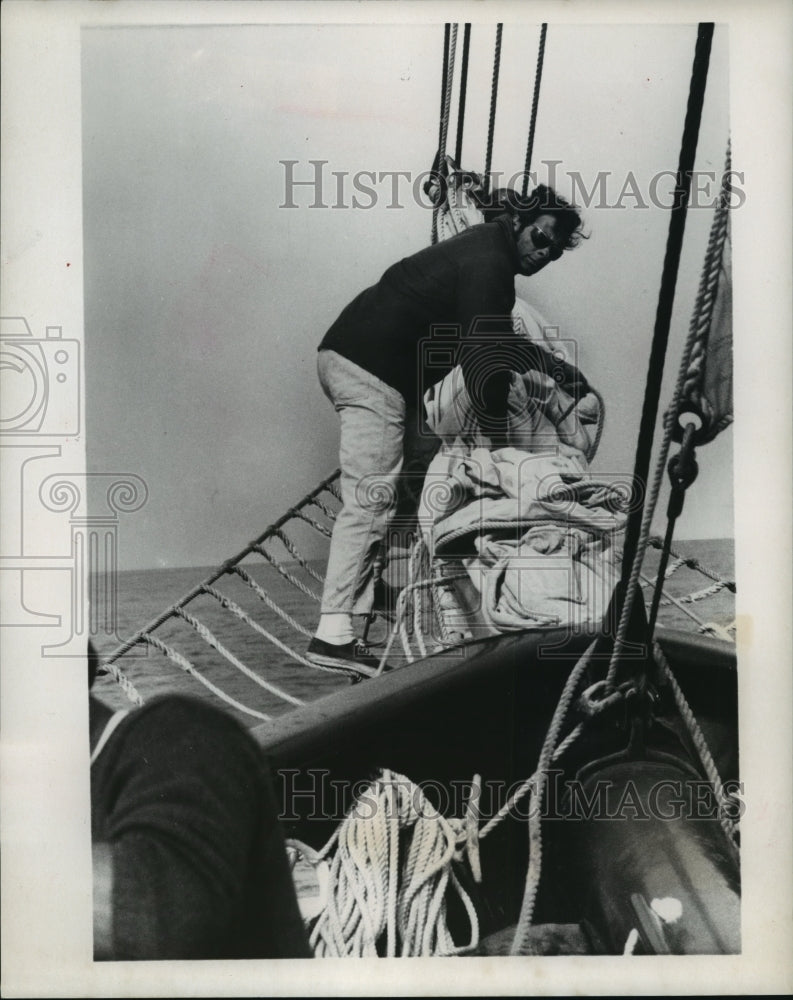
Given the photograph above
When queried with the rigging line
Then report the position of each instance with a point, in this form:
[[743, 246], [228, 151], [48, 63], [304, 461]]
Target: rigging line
[[458, 150], [447, 29], [673, 567], [491, 128], [330, 514], [702, 317], [298, 584], [447, 97], [551, 742], [729, 826], [444, 129], [447, 32], [321, 529], [124, 683], [212, 640], [680, 604], [184, 664], [534, 105], [623, 601], [293, 551], [271, 604], [697, 595], [216, 574], [699, 331], [692, 563]]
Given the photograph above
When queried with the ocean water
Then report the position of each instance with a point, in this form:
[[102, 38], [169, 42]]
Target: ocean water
[[142, 595]]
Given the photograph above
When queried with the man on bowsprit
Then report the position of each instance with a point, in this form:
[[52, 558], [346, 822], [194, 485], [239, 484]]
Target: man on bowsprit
[[384, 351]]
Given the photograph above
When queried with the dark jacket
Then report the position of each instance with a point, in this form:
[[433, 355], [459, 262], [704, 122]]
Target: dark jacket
[[448, 304]]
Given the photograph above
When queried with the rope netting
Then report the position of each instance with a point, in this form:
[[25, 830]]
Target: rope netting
[[427, 616], [235, 609], [682, 602]]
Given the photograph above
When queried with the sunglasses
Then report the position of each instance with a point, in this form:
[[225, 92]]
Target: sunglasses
[[542, 241]]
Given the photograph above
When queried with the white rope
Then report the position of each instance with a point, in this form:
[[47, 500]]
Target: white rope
[[316, 502], [701, 745], [725, 633], [184, 664], [211, 640], [287, 575], [691, 563], [124, 683], [551, 744], [271, 604], [680, 604], [293, 551], [418, 604], [529, 784], [387, 894]]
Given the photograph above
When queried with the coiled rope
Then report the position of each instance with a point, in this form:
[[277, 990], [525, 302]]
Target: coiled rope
[[384, 898], [409, 606], [387, 896]]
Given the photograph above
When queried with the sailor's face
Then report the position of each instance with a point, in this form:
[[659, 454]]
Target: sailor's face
[[538, 243]]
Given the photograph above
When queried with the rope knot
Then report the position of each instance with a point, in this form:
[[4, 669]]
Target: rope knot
[[600, 696], [467, 831]]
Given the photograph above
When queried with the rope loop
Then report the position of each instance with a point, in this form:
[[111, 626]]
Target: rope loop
[[599, 697]]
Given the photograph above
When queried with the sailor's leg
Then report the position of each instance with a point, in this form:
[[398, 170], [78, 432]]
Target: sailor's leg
[[420, 447], [372, 430]]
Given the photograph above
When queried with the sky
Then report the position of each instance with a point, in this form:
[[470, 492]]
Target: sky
[[205, 298]]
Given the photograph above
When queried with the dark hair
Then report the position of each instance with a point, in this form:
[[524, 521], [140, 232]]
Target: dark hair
[[542, 201]]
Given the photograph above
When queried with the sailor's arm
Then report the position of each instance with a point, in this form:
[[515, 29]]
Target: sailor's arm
[[488, 342]]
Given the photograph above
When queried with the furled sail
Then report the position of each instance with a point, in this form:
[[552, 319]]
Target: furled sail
[[708, 390]]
